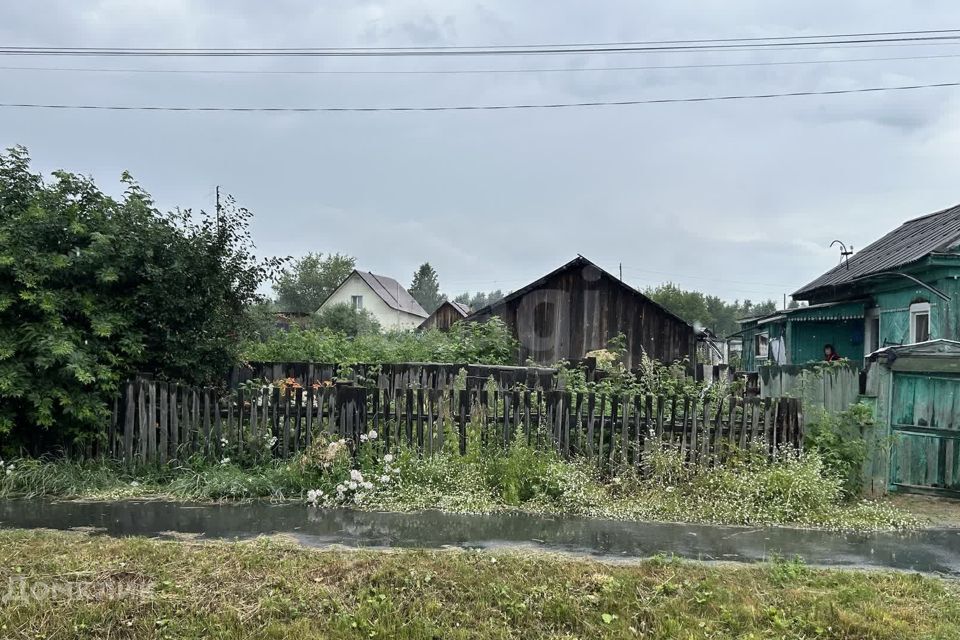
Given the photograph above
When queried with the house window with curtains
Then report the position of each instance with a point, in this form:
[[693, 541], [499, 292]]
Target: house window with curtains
[[357, 302], [761, 347]]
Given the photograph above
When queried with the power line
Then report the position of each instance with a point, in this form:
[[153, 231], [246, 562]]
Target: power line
[[822, 36], [475, 71], [521, 50], [491, 107]]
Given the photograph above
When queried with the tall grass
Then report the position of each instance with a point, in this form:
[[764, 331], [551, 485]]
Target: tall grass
[[746, 489]]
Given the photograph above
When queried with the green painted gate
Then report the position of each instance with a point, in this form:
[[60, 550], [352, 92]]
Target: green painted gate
[[925, 433]]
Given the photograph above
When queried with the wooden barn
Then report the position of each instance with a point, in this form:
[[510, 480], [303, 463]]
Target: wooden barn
[[446, 314], [578, 308]]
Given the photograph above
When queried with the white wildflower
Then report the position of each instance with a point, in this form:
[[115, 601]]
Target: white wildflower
[[388, 457], [132, 484], [368, 485], [225, 461], [373, 434], [384, 479], [352, 485], [356, 476], [363, 437]]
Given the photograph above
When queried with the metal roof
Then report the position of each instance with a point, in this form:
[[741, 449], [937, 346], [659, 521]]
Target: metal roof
[[911, 241], [393, 293], [461, 308], [388, 290], [939, 347]]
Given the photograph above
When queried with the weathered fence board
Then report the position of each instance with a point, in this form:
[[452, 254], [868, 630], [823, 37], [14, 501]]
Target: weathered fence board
[[610, 430]]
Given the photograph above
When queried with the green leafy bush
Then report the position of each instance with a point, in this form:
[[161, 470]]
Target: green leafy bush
[[94, 289], [488, 342], [342, 318], [838, 439]]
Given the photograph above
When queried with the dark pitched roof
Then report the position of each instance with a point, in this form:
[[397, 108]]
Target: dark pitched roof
[[461, 308], [388, 290], [911, 241], [578, 262]]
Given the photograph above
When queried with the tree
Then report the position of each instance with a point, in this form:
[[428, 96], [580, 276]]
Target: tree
[[707, 311], [480, 299], [343, 318], [94, 289], [310, 280], [425, 288]]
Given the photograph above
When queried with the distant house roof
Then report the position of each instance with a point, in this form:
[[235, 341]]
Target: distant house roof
[[441, 319], [390, 291], [578, 262], [908, 243], [463, 309]]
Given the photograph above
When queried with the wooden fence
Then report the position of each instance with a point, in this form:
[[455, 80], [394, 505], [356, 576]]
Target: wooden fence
[[156, 422], [398, 375], [820, 388]]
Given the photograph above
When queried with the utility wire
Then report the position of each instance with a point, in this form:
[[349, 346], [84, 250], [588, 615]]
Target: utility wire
[[474, 71], [492, 107], [523, 50], [873, 34]]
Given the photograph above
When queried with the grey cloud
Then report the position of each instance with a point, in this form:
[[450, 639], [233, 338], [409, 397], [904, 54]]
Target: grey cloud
[[715, 196]]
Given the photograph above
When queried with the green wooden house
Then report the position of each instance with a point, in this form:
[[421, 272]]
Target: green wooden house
[[902, 289]]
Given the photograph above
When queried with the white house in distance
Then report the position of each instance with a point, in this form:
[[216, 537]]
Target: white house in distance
[[383, 297]]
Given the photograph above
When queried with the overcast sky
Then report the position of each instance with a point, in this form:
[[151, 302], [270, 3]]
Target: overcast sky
[[740, 199]]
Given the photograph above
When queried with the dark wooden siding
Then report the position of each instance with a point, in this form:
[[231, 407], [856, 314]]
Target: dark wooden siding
[[443, 318], [577, 310]]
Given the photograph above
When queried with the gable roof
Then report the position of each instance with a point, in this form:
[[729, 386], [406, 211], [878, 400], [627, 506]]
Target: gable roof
[[908, 243], [578, 262], [388, 290], [461, 308]]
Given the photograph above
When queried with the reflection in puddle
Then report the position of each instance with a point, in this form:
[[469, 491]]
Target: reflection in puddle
[[928, 550]]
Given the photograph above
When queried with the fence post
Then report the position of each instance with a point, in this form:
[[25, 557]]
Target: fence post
[[164, 424], [174, 421], [129, 421], [464, 417], [142, 419], [152, 421], [206, 423]]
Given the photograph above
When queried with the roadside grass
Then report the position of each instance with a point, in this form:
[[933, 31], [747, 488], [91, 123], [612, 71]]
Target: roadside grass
[[746, 490], [70, 585]]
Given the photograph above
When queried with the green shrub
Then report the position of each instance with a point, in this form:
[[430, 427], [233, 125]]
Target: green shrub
[[838, 439], [94, 289], [489, 342]]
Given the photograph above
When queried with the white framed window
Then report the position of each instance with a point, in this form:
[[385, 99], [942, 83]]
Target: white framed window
[[762, 346], [357, 302], [871, 331], [919, 322]]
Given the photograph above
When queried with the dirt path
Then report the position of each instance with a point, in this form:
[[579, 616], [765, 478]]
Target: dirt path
[[932, 511]]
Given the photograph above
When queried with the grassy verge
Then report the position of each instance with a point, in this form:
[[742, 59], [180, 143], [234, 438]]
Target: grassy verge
[[134, 587], [746, 490]]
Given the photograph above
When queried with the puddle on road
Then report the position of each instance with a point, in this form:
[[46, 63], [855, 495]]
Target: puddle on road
[[931, 550]]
